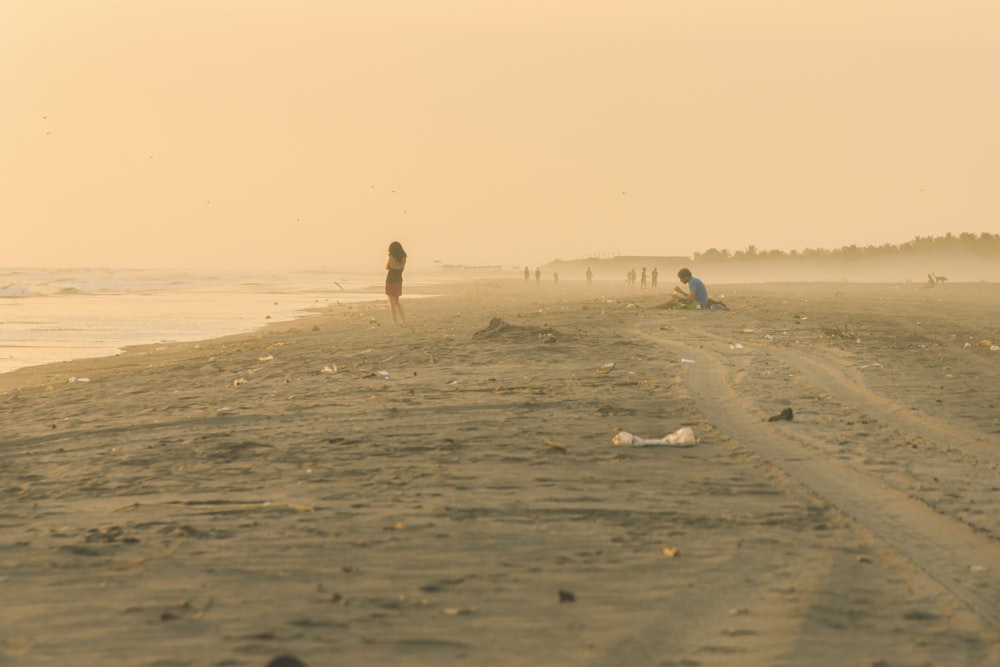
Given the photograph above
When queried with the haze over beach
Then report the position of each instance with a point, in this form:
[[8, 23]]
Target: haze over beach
[[218, 448], [272, 135]]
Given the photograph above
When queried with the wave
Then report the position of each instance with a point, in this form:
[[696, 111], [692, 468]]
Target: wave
[[17, 291], [11, 291], [68, 283]]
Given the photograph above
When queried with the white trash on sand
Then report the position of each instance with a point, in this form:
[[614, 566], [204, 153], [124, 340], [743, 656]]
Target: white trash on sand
[[682, 437]]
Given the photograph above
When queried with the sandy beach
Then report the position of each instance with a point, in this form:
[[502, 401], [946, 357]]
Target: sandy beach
[[354, 493]]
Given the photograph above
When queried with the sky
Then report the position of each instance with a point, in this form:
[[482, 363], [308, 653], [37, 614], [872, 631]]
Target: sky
[[308, 134]]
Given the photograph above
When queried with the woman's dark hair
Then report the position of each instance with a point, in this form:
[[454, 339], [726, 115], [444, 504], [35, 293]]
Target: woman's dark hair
[[684, 273], [397, 252]]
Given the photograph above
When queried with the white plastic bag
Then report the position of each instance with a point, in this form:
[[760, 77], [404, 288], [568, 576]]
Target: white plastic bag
[[682, 437]]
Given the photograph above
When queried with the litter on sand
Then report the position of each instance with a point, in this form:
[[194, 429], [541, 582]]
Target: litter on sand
[[682, 437], [785, 415]]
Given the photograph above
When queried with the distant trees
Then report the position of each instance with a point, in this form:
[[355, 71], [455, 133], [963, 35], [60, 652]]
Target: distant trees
[[985, 245]]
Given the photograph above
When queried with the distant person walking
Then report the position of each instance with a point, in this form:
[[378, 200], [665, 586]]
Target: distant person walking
[[394, 280], [652, 284], [555, 276], [538, 275], [527, 274], [590, 276], [643, 283]]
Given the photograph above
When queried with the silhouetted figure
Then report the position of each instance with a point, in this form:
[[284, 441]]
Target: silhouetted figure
[[590, 276], [538, 275], [527, 274], [652, 283], [394, 280], [642, 284]]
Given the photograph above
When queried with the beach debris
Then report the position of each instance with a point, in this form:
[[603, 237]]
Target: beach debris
[[687, 361], [458, 611], [332, 368], [551, 444], [994, 348], [985, 343], [106, 533], [768, 337], [76, 379], [604, 369], [682, 437], [286, 661], [495, 326], [785, 415], [837, 331], [384, 375], [565, 596], [266, 357], [239, 381], [920, 615], [498, 327], [671, 552], [736, 346], [184, 609], [218, 506]]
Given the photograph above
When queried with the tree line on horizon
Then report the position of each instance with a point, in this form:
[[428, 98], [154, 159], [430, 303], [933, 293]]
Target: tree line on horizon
[[984, 245]]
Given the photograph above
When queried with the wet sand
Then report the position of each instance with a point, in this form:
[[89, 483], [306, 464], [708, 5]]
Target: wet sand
[[447, 492]]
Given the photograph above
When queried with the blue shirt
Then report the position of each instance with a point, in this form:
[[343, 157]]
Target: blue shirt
[[698, 291]]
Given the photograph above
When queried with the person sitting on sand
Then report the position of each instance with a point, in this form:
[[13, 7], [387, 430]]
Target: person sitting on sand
[[696, 298]]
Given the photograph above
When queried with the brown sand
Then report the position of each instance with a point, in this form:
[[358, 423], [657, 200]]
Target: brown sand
[[227, 502]]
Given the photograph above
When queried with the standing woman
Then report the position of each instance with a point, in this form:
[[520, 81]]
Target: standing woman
[[394, 280]]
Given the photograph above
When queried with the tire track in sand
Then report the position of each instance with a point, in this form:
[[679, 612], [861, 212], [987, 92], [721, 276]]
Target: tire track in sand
[[962, 561], [850, 391]]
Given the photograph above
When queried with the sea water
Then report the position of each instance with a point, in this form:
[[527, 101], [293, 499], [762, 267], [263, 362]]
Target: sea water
[[50, 315]]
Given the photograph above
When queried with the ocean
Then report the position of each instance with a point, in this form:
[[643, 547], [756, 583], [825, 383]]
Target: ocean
[[50, 315]]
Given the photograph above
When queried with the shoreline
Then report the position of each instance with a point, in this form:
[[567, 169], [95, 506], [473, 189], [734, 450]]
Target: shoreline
[[448, 491], [573, 288]]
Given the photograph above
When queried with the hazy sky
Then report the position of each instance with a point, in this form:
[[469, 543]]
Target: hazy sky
[[310, 133]]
